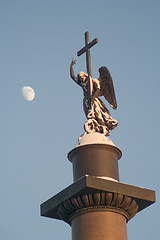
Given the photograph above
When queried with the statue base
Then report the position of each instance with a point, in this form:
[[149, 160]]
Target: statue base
[[95, 155], [93, 138]]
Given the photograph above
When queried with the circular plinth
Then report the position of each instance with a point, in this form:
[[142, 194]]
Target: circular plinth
[[99, 160]]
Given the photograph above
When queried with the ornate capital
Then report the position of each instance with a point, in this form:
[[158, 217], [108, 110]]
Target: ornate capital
[[100, 201]]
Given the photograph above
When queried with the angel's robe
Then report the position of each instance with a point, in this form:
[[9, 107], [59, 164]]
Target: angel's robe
[[99, 112]]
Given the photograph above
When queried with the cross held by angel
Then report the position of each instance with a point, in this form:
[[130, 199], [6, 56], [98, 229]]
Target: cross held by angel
[[98, 116]]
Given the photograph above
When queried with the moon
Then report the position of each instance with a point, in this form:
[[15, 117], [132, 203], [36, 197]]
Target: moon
[[28, 93]]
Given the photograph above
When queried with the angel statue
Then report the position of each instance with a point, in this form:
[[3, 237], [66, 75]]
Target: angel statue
[[98, 116]]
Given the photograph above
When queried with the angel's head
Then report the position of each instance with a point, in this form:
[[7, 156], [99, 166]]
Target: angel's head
[[82, 76]]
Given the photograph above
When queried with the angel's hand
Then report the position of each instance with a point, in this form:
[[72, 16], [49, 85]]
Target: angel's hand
[[73, 62]]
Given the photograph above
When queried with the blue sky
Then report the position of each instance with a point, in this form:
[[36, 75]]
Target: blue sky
[[37, 43]]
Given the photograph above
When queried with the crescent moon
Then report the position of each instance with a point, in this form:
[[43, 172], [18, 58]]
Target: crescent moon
[[28, 93]]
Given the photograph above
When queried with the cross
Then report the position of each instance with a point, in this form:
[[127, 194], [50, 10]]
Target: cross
[[86, 49]]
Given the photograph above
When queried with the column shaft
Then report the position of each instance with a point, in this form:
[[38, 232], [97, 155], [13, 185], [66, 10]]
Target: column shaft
[[99, 225]]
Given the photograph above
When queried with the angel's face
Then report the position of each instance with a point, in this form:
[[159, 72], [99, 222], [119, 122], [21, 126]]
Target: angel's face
[[82, 76]]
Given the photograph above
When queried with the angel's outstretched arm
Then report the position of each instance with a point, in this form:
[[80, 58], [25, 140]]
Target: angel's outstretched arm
[[72, 71]]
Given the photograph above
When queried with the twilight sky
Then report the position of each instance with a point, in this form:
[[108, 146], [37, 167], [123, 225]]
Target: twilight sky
[[37, 43]]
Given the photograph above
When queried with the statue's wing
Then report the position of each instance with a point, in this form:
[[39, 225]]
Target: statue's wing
[[107, 86]]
